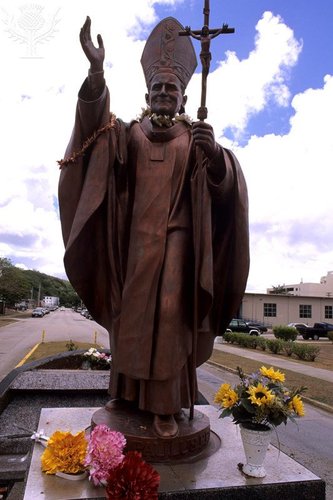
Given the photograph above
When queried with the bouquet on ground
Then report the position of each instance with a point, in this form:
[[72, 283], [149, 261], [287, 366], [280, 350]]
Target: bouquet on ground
[[260, 400], [97, 360], [124, 475]]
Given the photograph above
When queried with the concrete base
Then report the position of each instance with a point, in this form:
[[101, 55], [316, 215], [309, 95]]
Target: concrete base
[[212, 477]]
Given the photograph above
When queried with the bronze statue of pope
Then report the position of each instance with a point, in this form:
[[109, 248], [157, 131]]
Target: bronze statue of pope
[[128, 196]]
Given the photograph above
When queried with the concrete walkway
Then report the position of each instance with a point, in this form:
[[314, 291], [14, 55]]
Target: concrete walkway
[[280, 362]]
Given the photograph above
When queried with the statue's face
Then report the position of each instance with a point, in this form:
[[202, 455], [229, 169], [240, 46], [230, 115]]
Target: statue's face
[[165, 95]]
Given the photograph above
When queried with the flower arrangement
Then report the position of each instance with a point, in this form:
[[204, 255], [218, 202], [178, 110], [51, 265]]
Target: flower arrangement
[[125, 475], [164, 120], [97, 360], [260, 400]]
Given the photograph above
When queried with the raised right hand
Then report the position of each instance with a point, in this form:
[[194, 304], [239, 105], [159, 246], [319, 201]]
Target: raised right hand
[[94, 54]]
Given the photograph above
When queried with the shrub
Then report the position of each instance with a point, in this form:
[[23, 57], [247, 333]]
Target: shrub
[[253, 341], [285, 332], [288, 348], [262, 343], [229, 337], [330, 336], [71, 346], [244, 340], [306, 352], [275, 346]]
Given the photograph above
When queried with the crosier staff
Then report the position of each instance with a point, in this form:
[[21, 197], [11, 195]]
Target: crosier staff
[[205, 35]]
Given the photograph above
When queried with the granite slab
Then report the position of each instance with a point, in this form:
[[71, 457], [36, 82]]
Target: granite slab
[[217, 475]]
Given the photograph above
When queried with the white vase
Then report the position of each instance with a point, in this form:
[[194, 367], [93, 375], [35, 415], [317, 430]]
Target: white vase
[[255, 443]]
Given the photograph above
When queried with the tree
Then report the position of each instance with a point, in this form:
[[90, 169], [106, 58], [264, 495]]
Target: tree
[[279, 290], [17, 284], [13, 285]]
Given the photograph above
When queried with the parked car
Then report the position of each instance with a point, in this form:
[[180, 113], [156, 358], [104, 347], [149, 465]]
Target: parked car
[[298, 326], [241, 326], [316, 331], [38, 312], [86, 314], [257, 326], [21, 307]]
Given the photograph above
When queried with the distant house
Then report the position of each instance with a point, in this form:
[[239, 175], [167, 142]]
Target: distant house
[[49, 301], [322, 289], [281, 309]]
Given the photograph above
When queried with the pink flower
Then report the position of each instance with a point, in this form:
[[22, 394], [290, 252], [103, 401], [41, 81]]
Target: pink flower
[[133, 479], [105, 452]]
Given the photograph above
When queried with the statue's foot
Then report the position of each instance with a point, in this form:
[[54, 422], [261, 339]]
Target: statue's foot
[[165, 426], [119, 404]]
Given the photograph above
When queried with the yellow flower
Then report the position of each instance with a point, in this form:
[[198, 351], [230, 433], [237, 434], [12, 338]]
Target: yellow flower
[[272, 374], [230, 399], [65, 452], [220, 395], [296, 405], [226, 396], [260, 395]]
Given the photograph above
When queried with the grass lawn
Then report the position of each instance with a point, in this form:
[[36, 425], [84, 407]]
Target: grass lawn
[[13, 317], [49, 348]]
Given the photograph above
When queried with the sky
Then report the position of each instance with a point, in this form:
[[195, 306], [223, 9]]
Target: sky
[[270, 100]]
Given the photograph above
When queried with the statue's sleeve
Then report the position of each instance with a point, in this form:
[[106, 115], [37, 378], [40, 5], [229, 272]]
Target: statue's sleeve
[[92, 106], [230, 246], [73, 188], [85, 201], [220, 176]]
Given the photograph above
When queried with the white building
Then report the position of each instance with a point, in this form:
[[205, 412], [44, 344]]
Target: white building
[[50, 301], [281, 309], [322, 289]]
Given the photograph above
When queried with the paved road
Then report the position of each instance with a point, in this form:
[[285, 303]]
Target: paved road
[[18, 338]]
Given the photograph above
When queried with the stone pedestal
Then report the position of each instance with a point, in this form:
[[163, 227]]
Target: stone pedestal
[[137, 426], [210, 477]]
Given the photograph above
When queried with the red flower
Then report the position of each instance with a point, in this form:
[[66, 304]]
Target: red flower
[[133, 479]]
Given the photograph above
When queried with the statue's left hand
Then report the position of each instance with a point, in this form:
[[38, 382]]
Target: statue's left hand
[[203, 135]]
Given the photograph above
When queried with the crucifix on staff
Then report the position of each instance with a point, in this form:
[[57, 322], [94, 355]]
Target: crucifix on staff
[[165, 206], [205, 35]]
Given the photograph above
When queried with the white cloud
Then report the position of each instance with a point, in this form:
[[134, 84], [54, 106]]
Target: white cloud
[[291, 193]]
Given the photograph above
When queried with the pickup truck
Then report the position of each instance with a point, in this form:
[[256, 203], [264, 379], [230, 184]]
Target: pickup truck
[[239, 325], [316, 331]]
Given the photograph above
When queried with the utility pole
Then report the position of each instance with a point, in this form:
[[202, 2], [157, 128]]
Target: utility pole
[[38, 297]]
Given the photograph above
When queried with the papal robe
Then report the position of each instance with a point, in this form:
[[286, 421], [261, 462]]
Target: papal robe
[[129, 210]]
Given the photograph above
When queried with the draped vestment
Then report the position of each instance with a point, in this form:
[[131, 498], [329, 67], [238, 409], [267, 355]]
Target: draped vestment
[[128, 208]]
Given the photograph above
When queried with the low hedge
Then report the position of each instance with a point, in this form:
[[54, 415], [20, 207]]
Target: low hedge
[[285, 332], [305, 352]]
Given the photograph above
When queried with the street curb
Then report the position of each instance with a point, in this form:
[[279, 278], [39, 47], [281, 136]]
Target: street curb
[[310, 401], [27, 356]]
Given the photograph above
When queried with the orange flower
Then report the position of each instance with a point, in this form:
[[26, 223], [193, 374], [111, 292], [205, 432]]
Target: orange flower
[[65, 452]]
